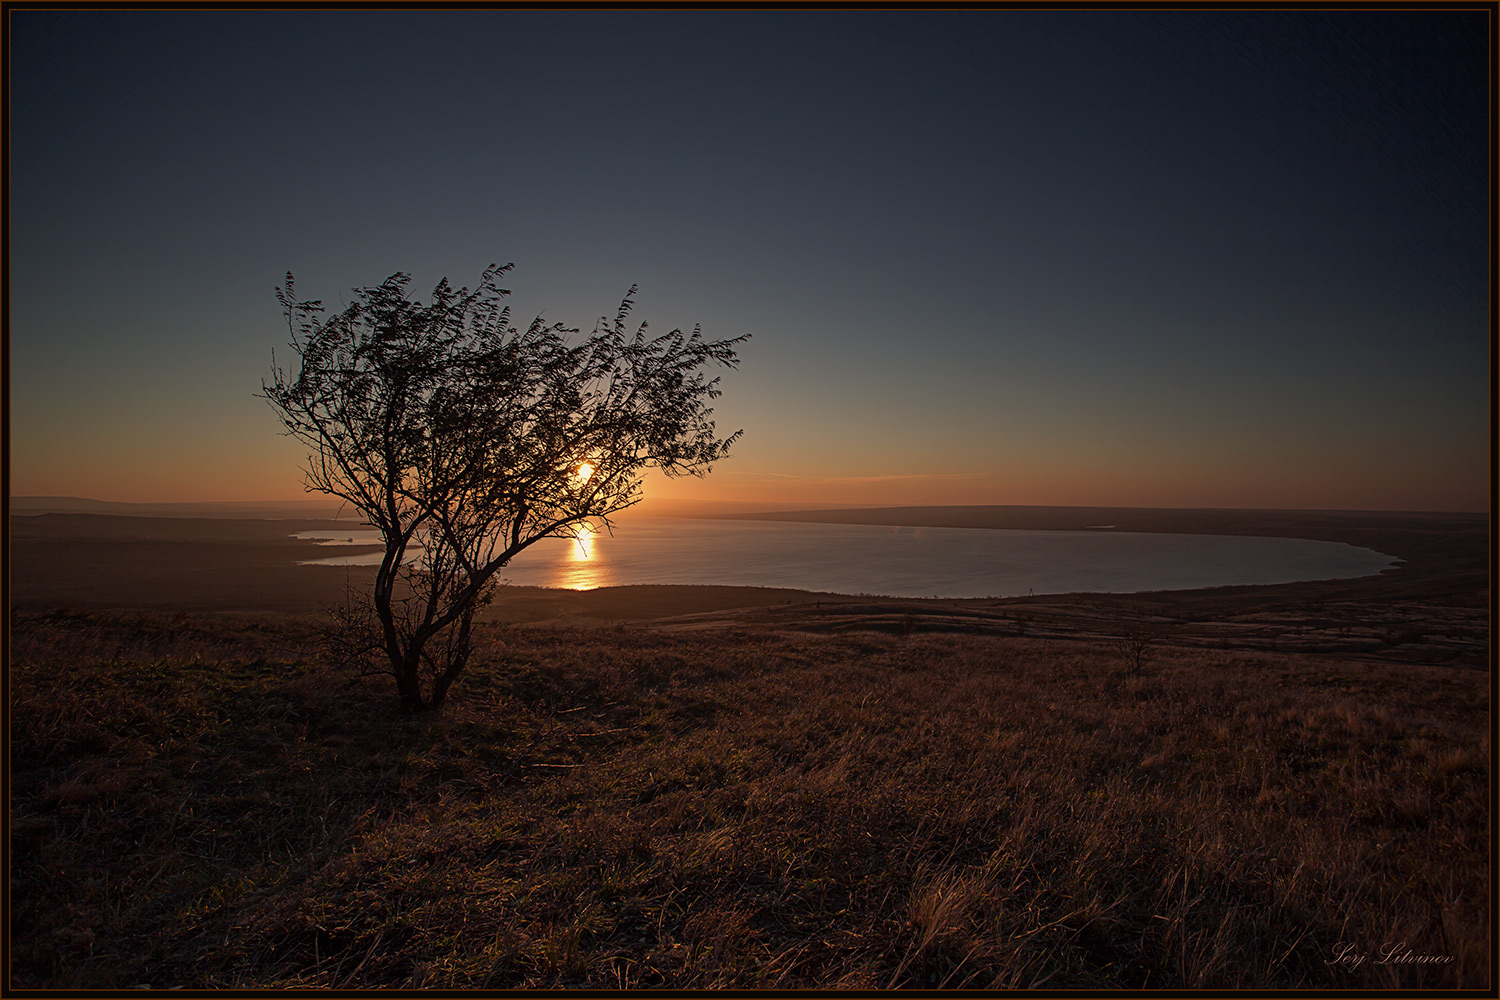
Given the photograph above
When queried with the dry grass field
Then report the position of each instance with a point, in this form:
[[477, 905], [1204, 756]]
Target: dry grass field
[[200, 801]]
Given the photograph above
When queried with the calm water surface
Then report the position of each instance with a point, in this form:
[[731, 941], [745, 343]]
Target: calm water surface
[[909, 562]]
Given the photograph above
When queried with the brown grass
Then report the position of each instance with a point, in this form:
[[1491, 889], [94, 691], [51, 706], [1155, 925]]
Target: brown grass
[[196, 801]]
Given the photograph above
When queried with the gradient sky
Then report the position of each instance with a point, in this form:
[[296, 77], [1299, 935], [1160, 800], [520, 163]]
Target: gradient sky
[[1232, 259]]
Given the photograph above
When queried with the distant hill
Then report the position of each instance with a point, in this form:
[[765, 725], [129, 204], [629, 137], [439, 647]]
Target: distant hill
[[321, 507]]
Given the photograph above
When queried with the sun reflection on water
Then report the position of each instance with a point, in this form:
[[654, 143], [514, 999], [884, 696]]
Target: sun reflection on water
[[581, 569], [582, 549]]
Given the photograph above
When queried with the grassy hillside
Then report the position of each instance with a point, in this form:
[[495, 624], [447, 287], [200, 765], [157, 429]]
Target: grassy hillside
[[201, 801]]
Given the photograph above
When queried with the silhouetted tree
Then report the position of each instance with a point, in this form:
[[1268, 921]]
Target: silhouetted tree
[[451, 430], [1134, 644]]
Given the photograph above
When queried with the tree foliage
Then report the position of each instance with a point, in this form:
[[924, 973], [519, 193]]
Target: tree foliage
[[454, 432]]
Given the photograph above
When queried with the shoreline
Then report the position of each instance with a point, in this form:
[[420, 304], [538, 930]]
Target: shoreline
[[1423, 546], [1432, 607]]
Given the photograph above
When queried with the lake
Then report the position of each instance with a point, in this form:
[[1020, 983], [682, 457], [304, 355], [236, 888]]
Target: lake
[[909, 562]]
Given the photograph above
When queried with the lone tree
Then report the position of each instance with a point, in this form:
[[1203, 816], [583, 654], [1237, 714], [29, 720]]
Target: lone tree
[[1134, 643], [459, 435]]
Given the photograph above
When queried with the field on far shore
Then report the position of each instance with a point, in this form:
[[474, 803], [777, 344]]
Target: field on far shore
[[678, 787]]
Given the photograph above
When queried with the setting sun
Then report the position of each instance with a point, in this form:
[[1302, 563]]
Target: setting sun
[[585, 470]]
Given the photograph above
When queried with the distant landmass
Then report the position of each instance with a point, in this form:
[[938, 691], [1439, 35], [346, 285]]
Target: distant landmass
[[321, 507], [1192, 520], [324, 507]]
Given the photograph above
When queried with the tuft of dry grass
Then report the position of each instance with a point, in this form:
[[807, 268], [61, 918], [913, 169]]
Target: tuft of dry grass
[[201, 802]]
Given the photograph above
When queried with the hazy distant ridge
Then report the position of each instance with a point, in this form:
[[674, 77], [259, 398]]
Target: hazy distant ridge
[[318, 508]]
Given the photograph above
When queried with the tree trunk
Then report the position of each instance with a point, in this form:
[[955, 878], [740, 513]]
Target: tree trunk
[[409, 687], [406, 660], [458, 657]]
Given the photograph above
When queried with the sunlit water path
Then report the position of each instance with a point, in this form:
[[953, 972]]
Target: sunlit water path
[[910, 562]]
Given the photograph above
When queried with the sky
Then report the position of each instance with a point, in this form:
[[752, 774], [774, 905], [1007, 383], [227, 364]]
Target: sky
[[1111, 257]]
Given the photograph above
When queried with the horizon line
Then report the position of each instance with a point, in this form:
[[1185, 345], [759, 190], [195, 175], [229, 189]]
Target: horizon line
[[783, 505]]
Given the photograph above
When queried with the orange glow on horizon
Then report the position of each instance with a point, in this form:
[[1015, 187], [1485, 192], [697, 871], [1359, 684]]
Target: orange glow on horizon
[[268, 472]]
